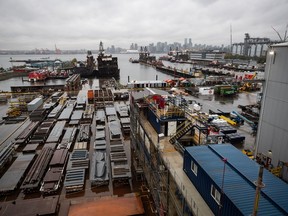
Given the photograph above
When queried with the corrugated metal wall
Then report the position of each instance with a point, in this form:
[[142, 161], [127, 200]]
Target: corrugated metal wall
[[154, 121], [273, 130], [203, 184]]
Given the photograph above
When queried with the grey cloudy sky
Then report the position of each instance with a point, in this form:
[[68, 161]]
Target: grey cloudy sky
[[76, 24]]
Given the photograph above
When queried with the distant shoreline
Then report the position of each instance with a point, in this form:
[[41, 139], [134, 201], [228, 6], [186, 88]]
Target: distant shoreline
[[10, 74]]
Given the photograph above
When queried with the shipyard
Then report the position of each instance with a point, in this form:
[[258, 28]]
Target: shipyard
[[198, 127]]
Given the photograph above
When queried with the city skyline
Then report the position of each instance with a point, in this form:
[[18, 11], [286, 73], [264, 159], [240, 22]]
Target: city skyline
[[81, 25], [157, 47]]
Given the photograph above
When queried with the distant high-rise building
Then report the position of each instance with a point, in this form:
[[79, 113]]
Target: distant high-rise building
[[132, 46], [190, 43]]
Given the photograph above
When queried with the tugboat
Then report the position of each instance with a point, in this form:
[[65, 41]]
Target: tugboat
[[107, 65], [86, 70]]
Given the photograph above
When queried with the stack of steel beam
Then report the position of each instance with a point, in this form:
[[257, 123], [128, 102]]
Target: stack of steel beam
[[99, 174], [24, 136], [42, 131], [56, 132], [38, 114], [84, 133], [6, 154], [33, 179], [53, 177]]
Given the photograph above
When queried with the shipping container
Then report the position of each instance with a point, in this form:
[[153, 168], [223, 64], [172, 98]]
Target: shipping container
[[36, 103], [90, 95], [206, 90], [225, 178]]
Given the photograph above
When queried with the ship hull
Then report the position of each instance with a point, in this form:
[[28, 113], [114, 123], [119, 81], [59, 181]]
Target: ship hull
[[108, 67], [84, 72], [108, 73]]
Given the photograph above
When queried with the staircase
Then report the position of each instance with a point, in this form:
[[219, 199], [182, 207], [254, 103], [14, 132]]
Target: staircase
[[181, 131]]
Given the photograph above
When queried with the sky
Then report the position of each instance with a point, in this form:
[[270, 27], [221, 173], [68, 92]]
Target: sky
[[76, 24]]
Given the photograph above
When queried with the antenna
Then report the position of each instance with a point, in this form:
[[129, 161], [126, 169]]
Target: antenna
[[277, 33], [231, 39], [285, 35]]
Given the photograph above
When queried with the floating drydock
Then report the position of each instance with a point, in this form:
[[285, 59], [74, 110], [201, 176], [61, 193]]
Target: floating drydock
[[174, 72]]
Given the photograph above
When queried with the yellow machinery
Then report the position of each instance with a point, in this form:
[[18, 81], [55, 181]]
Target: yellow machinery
[[13, 112], [249, 153]]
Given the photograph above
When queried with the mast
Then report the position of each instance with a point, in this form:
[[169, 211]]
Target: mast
[[101, 48]]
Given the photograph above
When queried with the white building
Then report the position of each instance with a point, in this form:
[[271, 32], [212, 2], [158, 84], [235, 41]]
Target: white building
[[272, 138]]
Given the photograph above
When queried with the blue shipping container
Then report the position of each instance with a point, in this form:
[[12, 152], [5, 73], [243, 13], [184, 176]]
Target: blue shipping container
[[225, 177]]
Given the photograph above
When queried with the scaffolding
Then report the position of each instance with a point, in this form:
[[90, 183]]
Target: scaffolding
[[150, 164]]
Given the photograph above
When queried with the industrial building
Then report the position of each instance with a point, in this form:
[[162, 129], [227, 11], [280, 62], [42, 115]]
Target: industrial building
[[210, 55], [272, 139]]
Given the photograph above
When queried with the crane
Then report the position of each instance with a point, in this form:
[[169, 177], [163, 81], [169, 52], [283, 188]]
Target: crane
[[252, 124]]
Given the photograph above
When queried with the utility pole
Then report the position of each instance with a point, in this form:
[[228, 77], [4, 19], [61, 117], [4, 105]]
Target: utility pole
[[259, 184]]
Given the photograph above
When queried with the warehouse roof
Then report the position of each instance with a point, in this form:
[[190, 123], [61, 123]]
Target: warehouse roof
[[239, 177]]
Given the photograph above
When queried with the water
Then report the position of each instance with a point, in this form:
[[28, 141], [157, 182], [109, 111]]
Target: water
[[134, 71]]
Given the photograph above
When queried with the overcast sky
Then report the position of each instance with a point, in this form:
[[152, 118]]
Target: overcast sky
[[81, 24]]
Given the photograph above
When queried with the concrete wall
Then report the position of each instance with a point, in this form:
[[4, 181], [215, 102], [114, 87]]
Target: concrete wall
[[272, 138]]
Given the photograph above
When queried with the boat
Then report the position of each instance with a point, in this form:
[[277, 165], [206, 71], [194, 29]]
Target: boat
[[134, 60], [59, 74], [85, 69], [39, 75], [107, 65], [23, 69]]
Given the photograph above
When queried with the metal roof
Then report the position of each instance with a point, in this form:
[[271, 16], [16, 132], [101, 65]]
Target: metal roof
[[240, 174], [110, 111], [280, 44]]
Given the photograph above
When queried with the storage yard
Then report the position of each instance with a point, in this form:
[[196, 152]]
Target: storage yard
[[63, 154]]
